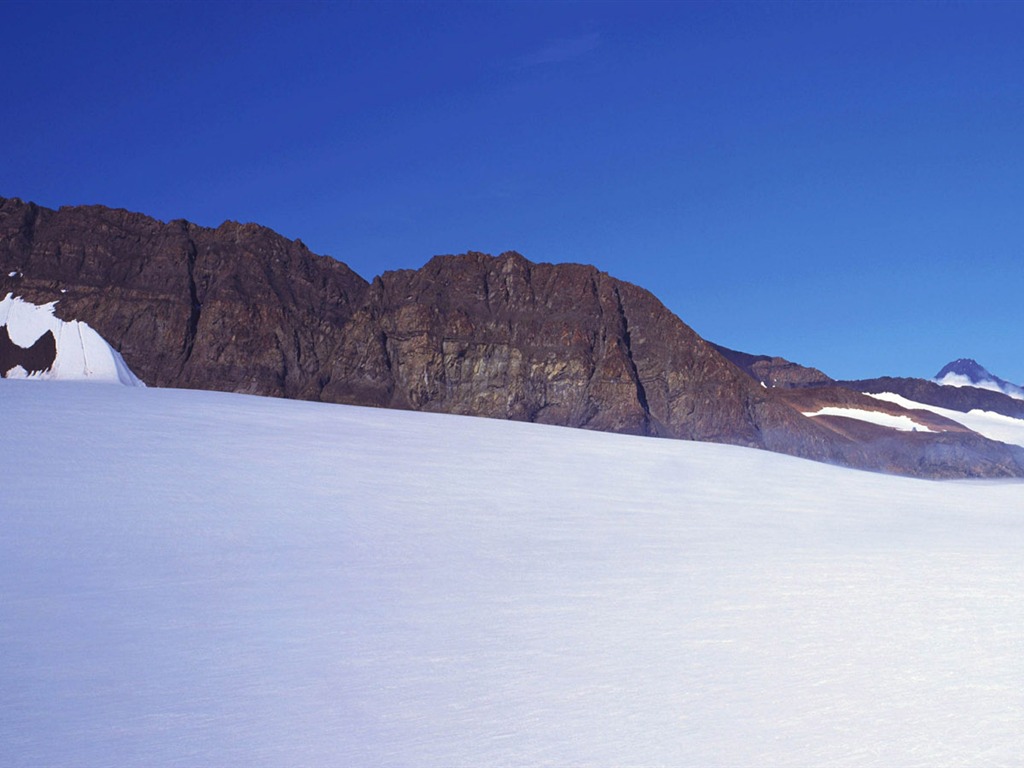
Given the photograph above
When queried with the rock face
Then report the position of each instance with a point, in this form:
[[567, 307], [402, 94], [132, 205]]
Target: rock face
[[237, 308], [949, 450], [32, 359], [556, 344], [240, 308]]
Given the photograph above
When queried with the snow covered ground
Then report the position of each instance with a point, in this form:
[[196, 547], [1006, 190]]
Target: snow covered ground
[[82, 354], [900, 423], [196, 578], [994, 426]]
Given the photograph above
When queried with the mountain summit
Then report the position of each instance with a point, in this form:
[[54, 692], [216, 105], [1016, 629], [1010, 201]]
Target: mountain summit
[[966, 372], [966, 366]]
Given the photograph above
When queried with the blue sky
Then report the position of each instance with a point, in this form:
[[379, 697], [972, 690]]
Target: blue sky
[[839, 184]]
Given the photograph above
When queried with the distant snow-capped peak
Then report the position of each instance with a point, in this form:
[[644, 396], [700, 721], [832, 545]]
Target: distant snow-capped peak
[[966, 372], [36, 344]]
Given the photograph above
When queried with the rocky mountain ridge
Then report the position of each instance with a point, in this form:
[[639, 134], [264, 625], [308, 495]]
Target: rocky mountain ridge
[[775, 371], [925, 391], [240, 308]]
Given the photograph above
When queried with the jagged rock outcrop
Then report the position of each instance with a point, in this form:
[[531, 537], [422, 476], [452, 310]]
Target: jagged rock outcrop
[[37, 357], [36, 344], [240, 308]]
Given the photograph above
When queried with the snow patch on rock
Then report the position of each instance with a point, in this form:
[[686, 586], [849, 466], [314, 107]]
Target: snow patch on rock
[[82, 354], [900, 423]]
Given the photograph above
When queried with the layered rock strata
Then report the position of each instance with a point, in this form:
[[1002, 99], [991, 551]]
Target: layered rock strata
[[240, 308]]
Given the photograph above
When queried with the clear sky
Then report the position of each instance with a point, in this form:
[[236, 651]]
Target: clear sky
[[839, 184]]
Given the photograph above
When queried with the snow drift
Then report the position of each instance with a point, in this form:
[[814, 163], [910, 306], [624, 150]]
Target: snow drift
[[195, 578], [67, 350]]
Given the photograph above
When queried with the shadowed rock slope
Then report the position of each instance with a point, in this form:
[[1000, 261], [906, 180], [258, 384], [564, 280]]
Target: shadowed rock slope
[[240, 308]]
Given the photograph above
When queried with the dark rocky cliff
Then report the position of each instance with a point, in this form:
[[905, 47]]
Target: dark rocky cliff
[[236, 308], [556, 344], [240, 308]]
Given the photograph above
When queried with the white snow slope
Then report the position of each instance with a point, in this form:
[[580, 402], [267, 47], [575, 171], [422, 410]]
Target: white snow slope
[[994, 426], [900, 423], [81, 352], [196, 578]]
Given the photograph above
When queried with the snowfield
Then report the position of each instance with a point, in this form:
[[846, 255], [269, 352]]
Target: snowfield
[[994, 426], [82, 354], [193, 578], [900, 423]]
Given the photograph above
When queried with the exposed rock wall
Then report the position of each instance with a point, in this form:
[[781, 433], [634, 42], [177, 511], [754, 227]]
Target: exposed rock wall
[[240, 308], [236, 308], [556, 344], [32, 359]]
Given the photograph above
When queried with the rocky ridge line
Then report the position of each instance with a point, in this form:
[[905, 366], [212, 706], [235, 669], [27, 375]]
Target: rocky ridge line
[[240, 308]]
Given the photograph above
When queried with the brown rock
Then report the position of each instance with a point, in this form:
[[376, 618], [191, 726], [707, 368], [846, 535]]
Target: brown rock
[[775, 371], [240, 308]]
